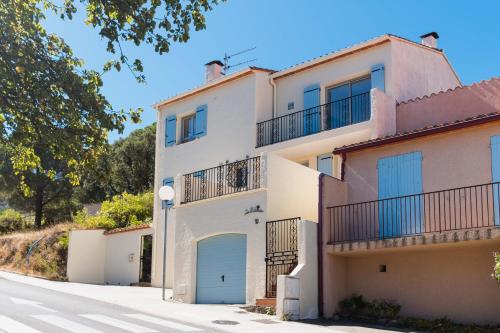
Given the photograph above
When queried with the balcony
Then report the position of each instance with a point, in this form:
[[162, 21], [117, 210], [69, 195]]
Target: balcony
[[324, 117], [222, 180], [447, 211]]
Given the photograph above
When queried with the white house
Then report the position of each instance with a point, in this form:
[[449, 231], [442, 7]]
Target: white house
[[244, 152]]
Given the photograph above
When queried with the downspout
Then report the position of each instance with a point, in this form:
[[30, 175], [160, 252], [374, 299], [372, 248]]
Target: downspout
[[273, 84], [342, 166], [320, 246]]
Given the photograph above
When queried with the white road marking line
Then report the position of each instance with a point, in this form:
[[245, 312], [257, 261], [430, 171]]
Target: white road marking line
[[12, 326], [124, 325], [163, 322], [193, 315], [66, 324], [22, 301]]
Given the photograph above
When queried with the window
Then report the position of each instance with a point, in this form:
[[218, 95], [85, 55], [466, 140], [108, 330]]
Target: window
[[325, 164], [188, 128], [349, 103]]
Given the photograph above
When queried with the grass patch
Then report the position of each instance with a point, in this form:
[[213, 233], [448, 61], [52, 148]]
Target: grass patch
[[48, 258]]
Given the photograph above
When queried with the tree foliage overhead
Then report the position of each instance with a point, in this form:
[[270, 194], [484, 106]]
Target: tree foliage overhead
[[154, 22], [54, 119]]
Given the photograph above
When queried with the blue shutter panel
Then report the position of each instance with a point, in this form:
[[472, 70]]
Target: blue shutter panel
[[400, 176], [170, 130], [201, 121], [378, 77], [312, 113], [325, 164], [495, 175], [168, 203]]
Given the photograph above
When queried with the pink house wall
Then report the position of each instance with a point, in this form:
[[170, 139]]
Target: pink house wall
[[457, 104]]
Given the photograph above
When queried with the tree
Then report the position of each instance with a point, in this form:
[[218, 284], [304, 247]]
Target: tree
[[54, 120], [127, 166]]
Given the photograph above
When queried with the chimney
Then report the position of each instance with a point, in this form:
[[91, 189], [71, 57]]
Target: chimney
[[213, 70], [430, 39]]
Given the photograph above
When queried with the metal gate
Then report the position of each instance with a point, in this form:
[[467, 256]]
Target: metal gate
[[281, 251]]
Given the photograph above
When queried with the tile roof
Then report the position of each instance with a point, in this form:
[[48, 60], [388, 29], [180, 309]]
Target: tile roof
[[424, 131], [127, 229], [450, 91]]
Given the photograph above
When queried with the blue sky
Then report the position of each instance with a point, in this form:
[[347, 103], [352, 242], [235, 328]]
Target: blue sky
[[287, 32]]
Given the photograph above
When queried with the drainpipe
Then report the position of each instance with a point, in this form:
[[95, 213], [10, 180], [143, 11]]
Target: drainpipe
[[320, 246], [273, 84]]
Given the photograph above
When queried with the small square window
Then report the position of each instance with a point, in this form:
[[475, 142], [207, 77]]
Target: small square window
[[382, 268], [188, 129], [291, 105]]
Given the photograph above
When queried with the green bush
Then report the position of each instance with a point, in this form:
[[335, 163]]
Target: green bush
[[11, 221], [121, 211], [355, 308], [496, 267]]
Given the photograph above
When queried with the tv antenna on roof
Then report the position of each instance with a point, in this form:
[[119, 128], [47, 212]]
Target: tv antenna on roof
[[227, 57]]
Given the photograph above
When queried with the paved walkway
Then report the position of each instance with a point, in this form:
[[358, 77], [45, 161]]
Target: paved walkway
[[148, 299]]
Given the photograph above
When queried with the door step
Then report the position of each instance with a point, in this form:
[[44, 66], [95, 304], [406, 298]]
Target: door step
[[266, 302]]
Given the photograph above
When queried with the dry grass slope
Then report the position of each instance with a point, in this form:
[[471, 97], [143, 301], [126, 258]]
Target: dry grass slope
[[48, 258]]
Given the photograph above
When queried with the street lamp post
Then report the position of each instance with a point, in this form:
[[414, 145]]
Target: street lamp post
[[166, 193]]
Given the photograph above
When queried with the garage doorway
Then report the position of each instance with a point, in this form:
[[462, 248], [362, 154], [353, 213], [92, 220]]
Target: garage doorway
[[221, 269]]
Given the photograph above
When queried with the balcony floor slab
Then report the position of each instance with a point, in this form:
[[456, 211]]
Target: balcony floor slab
[[427, 240]]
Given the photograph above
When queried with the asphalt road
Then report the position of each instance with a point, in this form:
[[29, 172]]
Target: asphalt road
[[29, 309]]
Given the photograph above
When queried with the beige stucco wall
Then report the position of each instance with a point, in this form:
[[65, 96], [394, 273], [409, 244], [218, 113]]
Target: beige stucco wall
[[418, 71], [452, 159], [86, 256], [291, 88], [118, 268], [478, 98], [233, 109], [279, 198], [453, 281], [292, 190], [203, 219], [334, 193]]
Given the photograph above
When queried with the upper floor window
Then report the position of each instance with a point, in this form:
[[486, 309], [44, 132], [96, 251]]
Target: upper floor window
[[188, 128], [191, 127], [349, 102]]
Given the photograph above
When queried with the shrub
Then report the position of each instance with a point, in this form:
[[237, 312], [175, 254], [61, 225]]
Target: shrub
[[496, 267], [121, 211], [11, 220]]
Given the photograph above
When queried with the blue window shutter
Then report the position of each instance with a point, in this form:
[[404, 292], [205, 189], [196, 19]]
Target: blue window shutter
[[325, 164], [400, 176], [170, 130], [167, 203], [312, 113], [378, 77], [495, 176], [201, 121]]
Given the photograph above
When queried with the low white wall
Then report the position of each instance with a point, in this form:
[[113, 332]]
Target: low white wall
[[86, 256], [292, 189], [123, 257], [297, 293], [96, 258]]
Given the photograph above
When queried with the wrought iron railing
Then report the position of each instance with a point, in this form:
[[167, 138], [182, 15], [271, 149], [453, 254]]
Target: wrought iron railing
[[222, 180], [281, 251], [324, 117], [461, 208]]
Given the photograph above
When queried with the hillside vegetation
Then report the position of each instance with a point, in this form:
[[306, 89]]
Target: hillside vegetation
[[48, 258]]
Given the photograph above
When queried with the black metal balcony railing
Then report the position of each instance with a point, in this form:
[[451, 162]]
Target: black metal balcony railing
[[461, 208], [324, 117], [222, 180]]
